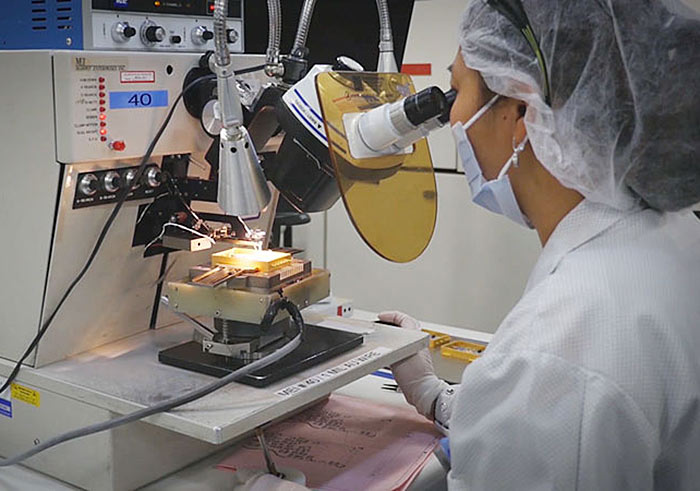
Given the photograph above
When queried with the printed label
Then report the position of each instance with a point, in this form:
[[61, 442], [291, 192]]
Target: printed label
[[5, 402], [25, 394], [90, 64], [332, 372], [5, 408], [144, 77]]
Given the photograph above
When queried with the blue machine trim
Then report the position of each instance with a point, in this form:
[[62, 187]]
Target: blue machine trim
[[309, 123], [41, 24], [307, 104]]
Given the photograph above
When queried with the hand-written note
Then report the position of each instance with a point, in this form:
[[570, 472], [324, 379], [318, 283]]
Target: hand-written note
[[345, 443]]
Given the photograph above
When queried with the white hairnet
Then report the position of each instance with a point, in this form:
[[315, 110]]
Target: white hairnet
[[624, 121]]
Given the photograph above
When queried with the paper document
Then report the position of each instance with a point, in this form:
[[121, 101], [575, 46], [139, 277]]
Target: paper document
[[346, 444]]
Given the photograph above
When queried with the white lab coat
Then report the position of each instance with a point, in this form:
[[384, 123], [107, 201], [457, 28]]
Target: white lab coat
[[592, 381]]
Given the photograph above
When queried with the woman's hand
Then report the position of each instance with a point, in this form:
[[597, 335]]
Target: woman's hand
[[415, 375]]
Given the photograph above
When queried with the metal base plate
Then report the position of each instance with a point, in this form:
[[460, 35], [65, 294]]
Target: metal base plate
[[319, 344]]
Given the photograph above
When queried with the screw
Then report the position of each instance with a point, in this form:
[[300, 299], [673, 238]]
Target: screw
[[217, 313], [37, 441], [176, 305], [69, 41]]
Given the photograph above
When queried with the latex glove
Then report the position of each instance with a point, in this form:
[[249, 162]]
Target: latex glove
[[259, 480], [415, 375]]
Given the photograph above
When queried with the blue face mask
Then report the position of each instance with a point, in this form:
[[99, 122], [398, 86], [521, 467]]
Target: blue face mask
[[496, 195]]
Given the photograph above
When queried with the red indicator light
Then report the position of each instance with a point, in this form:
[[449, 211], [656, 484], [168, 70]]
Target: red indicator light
[[118, 146], [102, 101], [102, 87], [102, 109], [103, 117], [102, 94], [103, 131], [102, 123], [101, 79], [211, 7], [103, 138]]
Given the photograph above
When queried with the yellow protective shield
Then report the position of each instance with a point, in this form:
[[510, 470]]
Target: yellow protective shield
[[392, 199]]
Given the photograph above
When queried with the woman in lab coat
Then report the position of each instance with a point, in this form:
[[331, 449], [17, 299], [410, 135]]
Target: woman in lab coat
[[593, 379]]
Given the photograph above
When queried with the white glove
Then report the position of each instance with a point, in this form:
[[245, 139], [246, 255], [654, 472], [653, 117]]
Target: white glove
[[259, 480], [415, 375]]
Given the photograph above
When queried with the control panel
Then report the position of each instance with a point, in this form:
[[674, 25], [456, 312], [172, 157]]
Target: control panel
[[103, 186], [143, 32], [121, 25], [109, 105]]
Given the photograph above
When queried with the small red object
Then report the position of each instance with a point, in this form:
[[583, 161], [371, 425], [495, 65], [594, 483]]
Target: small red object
[[103, 131], [102, 87], [102, 101], [102, 109], [103, 124], [417, 68], [118, 146], [101, 79], [103, 138], [102, 94], [103, 117]]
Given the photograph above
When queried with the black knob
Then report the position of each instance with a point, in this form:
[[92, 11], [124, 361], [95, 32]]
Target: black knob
[[129, 32], [176, 39], [207, 35], [155, 34]]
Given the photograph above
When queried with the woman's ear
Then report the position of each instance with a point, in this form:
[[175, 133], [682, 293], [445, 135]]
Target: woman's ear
[[520, 131]]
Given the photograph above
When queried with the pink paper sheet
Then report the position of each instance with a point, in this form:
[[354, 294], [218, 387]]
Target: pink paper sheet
[[346, 444]]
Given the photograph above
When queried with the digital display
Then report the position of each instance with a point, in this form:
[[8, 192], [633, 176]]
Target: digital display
[[121, 3], [138, 99]]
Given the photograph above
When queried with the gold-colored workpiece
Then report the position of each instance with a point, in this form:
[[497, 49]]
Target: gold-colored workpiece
[[251, 259], [437, 339], [465, 351], [244, 305], [392, 199]]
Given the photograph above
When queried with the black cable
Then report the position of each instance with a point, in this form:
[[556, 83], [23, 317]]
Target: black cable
[[171, 403], [274, 308], [103, 234], [256, 68]]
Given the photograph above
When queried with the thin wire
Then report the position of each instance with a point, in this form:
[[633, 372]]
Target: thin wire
[[103, 234]]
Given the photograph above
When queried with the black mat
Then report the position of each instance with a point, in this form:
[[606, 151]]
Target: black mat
[[318, 345]]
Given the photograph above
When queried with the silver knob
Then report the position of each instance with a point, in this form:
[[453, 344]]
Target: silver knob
[[112, 181], [232, 36], [152, 33], [88, 185], [201, 35], [153, 177], [130, 179], [122, 32]]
